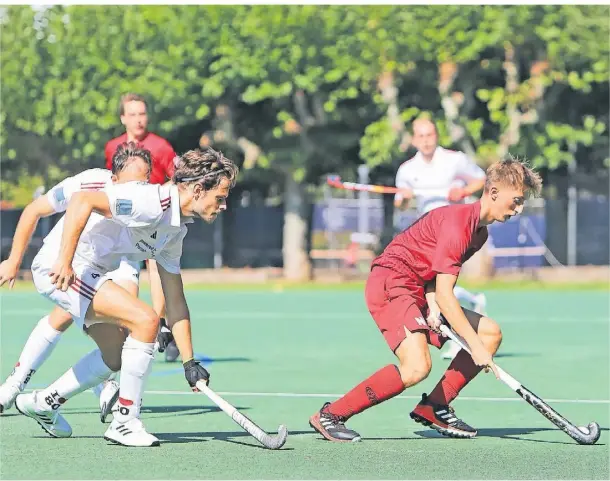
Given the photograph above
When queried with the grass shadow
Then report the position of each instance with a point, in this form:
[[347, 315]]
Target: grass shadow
[[507, 433]]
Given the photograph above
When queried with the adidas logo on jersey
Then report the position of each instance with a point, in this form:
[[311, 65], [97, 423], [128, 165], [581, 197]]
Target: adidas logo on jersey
[[154, 235]]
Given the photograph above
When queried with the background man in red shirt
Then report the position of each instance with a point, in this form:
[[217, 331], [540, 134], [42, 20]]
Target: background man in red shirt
[[134, 117], [410, 285]]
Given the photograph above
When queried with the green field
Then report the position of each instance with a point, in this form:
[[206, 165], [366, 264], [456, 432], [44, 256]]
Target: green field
[[278, 355]]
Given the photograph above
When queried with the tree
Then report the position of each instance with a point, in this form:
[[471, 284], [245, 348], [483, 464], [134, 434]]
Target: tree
[[302, 90]]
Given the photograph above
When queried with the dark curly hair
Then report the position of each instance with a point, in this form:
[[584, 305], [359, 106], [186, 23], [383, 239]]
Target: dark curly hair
[[127, 151], [205, 166]]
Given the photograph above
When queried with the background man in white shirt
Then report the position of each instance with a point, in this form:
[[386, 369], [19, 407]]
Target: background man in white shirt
[[435, 177]]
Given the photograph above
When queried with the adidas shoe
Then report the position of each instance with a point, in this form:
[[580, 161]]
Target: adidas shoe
[[442, 418], [131, 433], [108, 399], [8, 392], [50, 420], [332, 427]]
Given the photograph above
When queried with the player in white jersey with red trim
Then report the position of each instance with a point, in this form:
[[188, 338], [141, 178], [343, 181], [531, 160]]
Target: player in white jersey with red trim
[[142, 221], [47, 332], [436, 177]]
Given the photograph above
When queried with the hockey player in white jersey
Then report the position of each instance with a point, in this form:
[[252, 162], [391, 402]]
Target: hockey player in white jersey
[[49, 329], [435, 177], [141, 221]]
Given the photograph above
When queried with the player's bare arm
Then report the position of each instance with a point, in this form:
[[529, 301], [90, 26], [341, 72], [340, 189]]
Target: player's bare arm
[[434, 316], [458, 193], [474, 186], [80, 208], [37, 209], [402, 200], [451, 309], [179, 321], [178, 315]]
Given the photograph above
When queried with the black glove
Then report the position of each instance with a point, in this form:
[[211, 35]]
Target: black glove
[[193, 371], [165, 336]]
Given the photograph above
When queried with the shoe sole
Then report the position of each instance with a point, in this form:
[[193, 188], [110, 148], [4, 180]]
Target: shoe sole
[[314, 423], [105, 411], [44, 428], [118, 443], [449, 432]]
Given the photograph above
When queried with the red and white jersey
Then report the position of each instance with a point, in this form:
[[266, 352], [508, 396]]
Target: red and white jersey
[[432, 181], [60, 195], [146, 223], [92, 179]]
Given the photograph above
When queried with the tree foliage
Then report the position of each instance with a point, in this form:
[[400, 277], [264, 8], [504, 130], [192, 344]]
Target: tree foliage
[[294, 87], [306, 90]]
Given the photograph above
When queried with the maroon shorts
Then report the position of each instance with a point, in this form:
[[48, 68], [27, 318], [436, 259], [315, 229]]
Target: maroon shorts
[[397, 302]]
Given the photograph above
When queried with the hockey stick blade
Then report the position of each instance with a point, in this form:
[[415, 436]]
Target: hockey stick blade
[[270, 441], [582, 435]]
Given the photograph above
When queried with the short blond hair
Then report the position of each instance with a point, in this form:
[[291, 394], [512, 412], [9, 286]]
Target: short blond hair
[[516, 173]]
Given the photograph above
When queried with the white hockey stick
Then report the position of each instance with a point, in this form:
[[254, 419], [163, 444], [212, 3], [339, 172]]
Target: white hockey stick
[[270, 441], [582, 435]]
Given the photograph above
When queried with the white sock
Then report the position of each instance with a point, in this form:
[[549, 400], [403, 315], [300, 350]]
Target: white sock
[[86, 373], [464, 296], [97, 390], [37, 349], [136, 363]]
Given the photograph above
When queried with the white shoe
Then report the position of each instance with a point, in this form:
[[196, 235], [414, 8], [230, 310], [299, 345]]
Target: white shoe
[[108, 399], [50, 420], [480, 304], [451, 351], [8, 393], [131, 433]]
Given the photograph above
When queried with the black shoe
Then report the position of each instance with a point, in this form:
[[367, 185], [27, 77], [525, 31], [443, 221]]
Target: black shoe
[[332, 427], [171, 352], [442, 418]]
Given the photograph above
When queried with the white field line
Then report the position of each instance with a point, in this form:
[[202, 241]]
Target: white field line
[[322, 395]]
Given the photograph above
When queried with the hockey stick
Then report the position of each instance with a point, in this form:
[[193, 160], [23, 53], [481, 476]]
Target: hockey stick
[[582, 435], [270, 441], [335, 181]]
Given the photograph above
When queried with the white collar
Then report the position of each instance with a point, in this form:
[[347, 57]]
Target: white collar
[[420, 157], [175, 199], [175, 216]]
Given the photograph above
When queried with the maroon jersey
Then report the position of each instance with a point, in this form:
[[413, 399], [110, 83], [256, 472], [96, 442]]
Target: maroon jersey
[[438, 242], [160, 149]]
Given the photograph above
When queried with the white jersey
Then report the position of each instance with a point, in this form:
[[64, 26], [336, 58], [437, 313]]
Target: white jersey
[[432, 181], [89, 180], [146, 223]]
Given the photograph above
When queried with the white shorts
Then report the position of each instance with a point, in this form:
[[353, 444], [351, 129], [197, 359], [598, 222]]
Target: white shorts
[[128, 271], [79, 295]]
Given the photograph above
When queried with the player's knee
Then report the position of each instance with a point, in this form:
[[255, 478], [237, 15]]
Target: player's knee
[[415, 370], [59, 320], [491, 332], [147, 323]]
